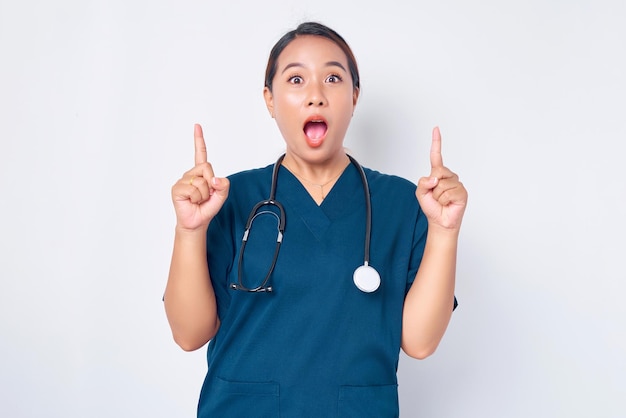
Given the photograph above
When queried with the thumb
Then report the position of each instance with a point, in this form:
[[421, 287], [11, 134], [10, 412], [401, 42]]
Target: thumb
[[425, 185], [220, 186]]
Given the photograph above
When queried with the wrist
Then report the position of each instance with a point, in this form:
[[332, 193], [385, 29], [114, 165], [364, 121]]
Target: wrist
[[184, 232], [442, 233]]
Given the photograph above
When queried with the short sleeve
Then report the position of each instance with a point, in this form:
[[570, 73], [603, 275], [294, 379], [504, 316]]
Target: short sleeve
[[420, 229], [220, 256]]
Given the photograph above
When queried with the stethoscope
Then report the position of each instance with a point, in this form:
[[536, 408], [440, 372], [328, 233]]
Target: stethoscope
[[365, 277]]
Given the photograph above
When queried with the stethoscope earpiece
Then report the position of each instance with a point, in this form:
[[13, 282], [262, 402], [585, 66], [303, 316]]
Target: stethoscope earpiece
[[260, 289]]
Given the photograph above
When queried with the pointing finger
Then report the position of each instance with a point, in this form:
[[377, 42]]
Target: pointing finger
[[435, 149], [200, 145]]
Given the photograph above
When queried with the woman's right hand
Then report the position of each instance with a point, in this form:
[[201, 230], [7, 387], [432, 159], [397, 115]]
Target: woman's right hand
[[198, 195]]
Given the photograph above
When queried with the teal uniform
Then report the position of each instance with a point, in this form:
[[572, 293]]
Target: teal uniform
[[315, 346]]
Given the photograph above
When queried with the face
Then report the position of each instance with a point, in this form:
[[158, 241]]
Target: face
[[312, 98]]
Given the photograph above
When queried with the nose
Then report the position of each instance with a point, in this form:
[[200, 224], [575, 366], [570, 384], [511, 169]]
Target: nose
[[316, 95]]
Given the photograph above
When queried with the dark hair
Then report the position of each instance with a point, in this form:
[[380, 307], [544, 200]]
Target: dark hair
[[315, 29]]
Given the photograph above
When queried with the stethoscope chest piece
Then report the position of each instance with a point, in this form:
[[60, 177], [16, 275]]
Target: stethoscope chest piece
[[366, 278]]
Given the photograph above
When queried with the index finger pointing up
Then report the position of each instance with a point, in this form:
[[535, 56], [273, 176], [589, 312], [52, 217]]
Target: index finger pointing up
[[435, 149], [200, 145]]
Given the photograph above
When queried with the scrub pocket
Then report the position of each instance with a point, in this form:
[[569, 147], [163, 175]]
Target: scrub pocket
[[368, 401], [241, 399]]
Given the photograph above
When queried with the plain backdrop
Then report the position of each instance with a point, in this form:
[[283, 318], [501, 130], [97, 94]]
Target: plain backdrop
[[97, 105]]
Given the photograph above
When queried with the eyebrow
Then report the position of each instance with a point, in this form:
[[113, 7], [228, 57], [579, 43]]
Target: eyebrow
[[328, 64]]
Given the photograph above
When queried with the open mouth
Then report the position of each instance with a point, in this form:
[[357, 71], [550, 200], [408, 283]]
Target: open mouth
[[315, 129]]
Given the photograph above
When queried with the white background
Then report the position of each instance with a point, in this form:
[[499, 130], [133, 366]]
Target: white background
[[98, 101]]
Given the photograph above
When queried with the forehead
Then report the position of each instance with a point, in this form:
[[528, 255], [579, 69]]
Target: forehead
[[311, 49]]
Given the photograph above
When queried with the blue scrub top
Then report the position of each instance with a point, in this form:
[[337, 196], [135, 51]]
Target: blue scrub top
[[316, 346]]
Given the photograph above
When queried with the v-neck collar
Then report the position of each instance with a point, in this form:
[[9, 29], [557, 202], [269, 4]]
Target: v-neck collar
[[343, 197]]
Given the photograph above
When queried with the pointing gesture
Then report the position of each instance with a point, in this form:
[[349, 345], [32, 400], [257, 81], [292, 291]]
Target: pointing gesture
[[435, 150], [441, 195], [198, 195], [200, 146]]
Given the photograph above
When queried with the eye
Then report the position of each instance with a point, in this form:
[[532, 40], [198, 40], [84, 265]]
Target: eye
[[334, 78], [295, 79]]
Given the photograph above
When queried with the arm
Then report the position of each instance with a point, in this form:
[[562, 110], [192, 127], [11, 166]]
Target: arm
[[429, 303], [189, 298]]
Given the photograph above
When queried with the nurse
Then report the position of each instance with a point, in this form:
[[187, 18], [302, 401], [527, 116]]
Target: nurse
[[263, 265]]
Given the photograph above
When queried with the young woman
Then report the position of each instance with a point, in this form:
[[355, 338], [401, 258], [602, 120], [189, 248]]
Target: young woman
[[307, 276]]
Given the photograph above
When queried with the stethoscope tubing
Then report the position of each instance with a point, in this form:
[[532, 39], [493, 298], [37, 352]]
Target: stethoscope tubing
[[281, 229], [368, 210]]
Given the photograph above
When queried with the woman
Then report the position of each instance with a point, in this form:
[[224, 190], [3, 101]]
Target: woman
[[293, 331]]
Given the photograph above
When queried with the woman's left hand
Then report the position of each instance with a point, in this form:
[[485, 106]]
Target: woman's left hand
[[441, 195]]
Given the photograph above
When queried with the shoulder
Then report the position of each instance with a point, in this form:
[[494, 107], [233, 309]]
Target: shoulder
[[250, 182], [246, 188], [252, 175], [389, 182], [392, 193]]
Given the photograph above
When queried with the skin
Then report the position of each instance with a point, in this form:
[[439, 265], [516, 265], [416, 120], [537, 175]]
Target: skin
[[312, 82], [428, 305], [189, 298]]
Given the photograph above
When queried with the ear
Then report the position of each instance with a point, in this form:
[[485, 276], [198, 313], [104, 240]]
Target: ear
[[269, 100], [355, 97]]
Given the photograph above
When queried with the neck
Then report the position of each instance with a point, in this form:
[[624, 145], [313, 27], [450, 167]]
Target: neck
[[317, 178], [316, 172]]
